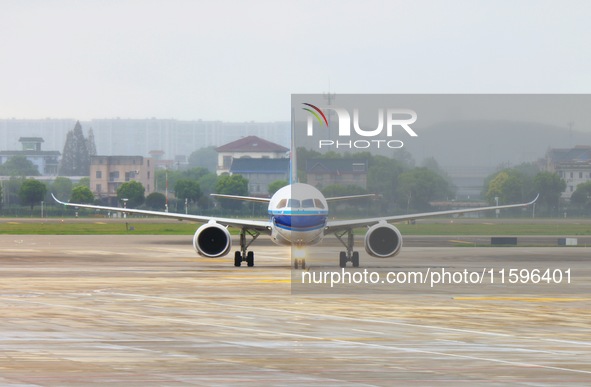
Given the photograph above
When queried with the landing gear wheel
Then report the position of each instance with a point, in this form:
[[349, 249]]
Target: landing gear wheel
[[355, 259], [242, 254], [299, 264], [347, 239], [343, 259]]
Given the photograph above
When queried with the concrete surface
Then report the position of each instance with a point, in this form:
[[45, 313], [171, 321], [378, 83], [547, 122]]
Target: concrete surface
[[145, 310]]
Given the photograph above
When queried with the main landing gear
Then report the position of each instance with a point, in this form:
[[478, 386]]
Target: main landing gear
[[243, 255], [349, 255]]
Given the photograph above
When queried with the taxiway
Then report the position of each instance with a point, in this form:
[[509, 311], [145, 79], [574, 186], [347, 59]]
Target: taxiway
[[145, 310]]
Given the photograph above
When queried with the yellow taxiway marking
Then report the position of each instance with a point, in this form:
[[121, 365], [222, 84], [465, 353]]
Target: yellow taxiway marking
[[526, 299], [458, 241]]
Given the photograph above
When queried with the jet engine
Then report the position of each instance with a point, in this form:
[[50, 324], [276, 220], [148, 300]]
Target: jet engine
[[212, 240], [383, 240]]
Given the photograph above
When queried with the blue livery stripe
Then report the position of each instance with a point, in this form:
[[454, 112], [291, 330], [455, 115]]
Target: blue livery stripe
[[300, 222]]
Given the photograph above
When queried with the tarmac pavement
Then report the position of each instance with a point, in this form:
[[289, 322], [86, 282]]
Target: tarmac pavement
[[146, 310]]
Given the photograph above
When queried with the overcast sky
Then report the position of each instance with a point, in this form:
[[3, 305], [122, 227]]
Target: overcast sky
[[241, 60]]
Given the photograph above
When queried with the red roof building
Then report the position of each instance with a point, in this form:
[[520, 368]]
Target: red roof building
[[252, 147]]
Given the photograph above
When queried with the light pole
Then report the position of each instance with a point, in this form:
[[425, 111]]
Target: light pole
[[124, 200], [166, 202], [497, 203]]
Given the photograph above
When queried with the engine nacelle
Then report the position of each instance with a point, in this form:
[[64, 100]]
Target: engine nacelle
[[383, 240], [212, 240]]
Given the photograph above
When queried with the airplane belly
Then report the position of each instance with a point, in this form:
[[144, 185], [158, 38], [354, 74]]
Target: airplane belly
[[298, 238], [298, 230]]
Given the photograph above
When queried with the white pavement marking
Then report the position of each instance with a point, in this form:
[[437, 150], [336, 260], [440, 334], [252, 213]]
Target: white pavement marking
[[331, 317], [307, 336]]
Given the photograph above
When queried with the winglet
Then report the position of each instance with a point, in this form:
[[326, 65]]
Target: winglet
[[535, 199], [60, 202]]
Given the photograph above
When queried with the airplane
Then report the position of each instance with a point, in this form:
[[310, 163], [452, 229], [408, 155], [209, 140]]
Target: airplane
[[298, 217]]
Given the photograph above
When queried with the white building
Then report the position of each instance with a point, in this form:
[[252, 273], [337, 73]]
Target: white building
[[573, 165], [45, 161]]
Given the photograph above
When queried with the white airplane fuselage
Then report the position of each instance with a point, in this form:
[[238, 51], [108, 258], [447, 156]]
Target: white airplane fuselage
[[298, 214]]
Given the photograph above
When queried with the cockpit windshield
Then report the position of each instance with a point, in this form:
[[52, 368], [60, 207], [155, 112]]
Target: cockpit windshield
[[306, 203]]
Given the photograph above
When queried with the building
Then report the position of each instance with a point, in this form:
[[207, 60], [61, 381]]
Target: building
[[573, 165], [260, 173], [250, 147], [160, 162], [45, 161], [107, 173], [122, 136], [324, 172]]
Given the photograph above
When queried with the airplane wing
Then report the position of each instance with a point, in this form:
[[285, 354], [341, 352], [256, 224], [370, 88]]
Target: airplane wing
[[246, 198], [334, 198], [339, 225], [258, 225]]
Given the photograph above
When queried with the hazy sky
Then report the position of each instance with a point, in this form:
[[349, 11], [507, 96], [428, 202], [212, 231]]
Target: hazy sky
[[241, 60]]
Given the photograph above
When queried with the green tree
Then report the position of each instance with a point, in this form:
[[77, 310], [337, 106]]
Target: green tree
[[1, 196], [232, 185], [11, 190], [208, 183], [433, 165], [204, 157], [75, 157], [550, 186], [31, 192], [85, 181], [194, 173], [582, 196], [382, 179], [18, 166], [528, 169], [187, 189], [133, 191], [161, 177], [509, 185], [276, 186], [156, 201], [81, 194], [335, 190], [419, 186], [495, 186], [62, 188]]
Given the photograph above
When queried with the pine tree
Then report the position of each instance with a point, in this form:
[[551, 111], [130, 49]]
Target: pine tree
[[75, 157], [90, 145]]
